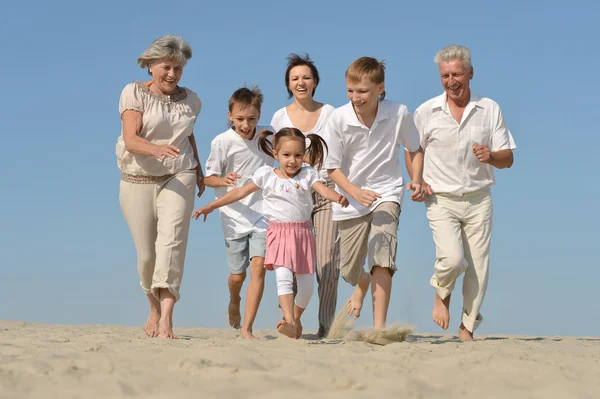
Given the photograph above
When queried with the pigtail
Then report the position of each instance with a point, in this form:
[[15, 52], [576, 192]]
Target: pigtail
[[316, 150], [264, 143]]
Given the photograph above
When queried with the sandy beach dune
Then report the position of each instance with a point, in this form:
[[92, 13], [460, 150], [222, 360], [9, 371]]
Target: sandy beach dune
[[58, 361]]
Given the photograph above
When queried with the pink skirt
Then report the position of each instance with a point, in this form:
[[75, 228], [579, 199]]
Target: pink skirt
[[291, 245]]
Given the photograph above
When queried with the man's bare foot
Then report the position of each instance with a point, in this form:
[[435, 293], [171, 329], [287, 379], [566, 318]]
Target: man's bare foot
[[354, 304], [287, 329], [464, 335], [152, 323], [165, 328], [246, 333], [235, 318], [441, 313], [298, 329]]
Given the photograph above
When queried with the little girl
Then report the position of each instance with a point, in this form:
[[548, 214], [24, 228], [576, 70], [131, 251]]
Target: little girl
[[287, 203]]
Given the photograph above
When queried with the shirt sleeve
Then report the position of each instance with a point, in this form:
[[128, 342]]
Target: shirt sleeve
[[500, 136], [408, 132], [216, 160], [419, 124], [130, 99], [511, 141], [312, 176], [261, 175], [333, 138]]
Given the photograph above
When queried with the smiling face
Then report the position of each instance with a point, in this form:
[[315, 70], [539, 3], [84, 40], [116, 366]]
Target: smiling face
[[301, 82], [364, 96], [166, 75], [456, 78], [244, 120], [289, 152]]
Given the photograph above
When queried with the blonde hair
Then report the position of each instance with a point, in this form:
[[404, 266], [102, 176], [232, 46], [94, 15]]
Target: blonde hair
[[168, 47], [367, 67]]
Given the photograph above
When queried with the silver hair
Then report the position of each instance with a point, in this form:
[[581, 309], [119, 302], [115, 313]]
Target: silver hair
[[454, 53], [168, 47]]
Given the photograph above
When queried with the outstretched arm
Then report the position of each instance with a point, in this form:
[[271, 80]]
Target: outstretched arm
[[329, 194], [229, 198]]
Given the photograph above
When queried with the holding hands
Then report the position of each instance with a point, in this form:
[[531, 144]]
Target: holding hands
[[421, 190], [230, 179]]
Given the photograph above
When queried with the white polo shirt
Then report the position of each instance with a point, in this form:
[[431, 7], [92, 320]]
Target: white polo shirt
[[229, 152], [369, 157], [450, 165]]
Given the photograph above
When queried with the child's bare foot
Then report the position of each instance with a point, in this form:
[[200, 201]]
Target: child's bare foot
[[165, 328], [354, 304], [441, 313], [287, 329], [151, 327], [464, 335], [246, 333], [298, 328], [235, 318]]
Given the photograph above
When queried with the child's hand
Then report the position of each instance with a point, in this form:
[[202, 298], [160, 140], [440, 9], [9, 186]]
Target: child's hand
[[343, 201], [367, 197], [202, 211], [230, 179]]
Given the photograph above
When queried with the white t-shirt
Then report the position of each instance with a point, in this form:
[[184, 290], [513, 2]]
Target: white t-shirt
[[229, 152], [286, 200], [450, 165], [369, 157], [281, 119]]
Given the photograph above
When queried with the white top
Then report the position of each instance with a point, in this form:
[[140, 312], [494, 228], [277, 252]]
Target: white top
[[369, 158], [286, 200], [281, 119], [229, 152], [450, 165], [165, 120]]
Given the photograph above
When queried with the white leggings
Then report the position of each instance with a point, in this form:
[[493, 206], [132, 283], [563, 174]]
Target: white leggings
[[305, 282]]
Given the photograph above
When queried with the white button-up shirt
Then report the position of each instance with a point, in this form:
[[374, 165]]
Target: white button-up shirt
[[369, 157], [450, 165]]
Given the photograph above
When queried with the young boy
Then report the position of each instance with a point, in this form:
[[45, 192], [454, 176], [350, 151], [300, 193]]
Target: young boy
[[365, 138], [233, 158]]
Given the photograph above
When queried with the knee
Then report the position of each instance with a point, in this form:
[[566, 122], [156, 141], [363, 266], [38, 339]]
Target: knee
[[454, 263], [237, 279], [146, 260], [303, 296]]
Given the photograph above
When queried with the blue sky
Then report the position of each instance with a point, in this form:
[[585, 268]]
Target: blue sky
[[67, 255]]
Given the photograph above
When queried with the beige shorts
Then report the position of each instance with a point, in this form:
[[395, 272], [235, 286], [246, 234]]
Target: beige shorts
[[373, 235]]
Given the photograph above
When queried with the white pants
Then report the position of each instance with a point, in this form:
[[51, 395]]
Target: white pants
[[158, 215], [462, 231], [305, 283]]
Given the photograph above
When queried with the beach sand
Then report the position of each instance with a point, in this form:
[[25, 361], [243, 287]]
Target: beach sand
[[99, 361]]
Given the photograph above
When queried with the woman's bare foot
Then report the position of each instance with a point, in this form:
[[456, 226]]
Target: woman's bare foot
[[464, 335], [152, 323], [354, 304], [246, 333], [287, 329], [441, 312], [235, 318]]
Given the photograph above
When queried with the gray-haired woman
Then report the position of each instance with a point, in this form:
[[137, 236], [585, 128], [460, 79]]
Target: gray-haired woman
[[160, 170]]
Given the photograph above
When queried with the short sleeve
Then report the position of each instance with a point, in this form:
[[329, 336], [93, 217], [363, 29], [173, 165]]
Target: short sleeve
[[333, 138], [511, 141], [312, 176], [500, 136], [194, 101], [130, 99], [216, 159], [261, 175], [418, 120], [408, 132]]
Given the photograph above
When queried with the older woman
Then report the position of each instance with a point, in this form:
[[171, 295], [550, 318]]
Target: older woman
[[310, 116], [160, 170]]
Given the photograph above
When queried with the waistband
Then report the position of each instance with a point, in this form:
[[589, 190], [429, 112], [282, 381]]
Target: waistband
[[148, 179], [290, 225]]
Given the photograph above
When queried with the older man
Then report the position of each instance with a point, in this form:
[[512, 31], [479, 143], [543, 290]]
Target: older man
[[464, 138]]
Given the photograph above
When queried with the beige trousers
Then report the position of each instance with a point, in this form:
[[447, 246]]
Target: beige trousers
[[158, 215], [462, 232]]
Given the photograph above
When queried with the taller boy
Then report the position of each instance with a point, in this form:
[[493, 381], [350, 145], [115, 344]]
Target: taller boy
[[365, 138]]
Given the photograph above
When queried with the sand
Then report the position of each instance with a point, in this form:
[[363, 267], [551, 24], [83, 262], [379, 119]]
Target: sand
[[96, 361]]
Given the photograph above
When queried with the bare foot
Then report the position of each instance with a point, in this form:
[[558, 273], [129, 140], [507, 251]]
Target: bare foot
[[298, 328], [165, 328], [354, 304], [287, 329], [235, 318], [464, 335], [152, 323], [246, 333], [441, 314]]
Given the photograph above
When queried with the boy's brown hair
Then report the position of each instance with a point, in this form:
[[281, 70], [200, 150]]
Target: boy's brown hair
[[367, 67]]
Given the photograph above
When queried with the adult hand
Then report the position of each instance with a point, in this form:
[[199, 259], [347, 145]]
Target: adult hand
[[167, 150], [201, 185], [418, 194], [366, 197], [230, 179], [206, 210], [483, 153]]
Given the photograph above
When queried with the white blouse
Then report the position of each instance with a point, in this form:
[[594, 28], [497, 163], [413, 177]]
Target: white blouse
[[165, 120]]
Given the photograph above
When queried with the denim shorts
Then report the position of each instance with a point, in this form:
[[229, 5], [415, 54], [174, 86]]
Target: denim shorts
[[240, 251]]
